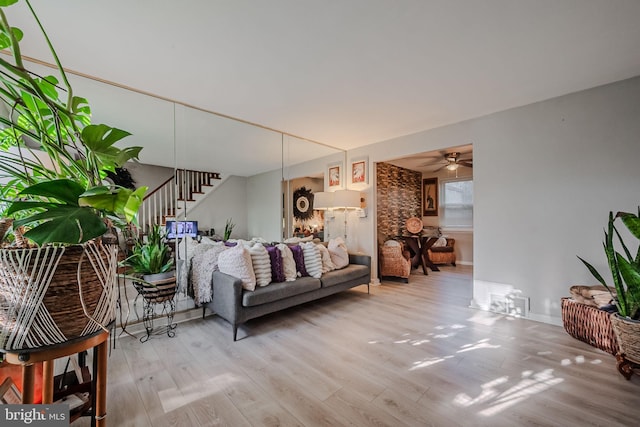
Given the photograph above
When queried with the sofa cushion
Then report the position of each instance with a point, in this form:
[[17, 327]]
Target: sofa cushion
[[277, 270], [261, 264], [327, 265], [338, 251], [288, 264], [236, 261], [278, 291], [312, 259], [298, 257], [350, 272]]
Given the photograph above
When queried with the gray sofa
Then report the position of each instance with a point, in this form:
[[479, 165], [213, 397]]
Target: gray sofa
[[237, 305]]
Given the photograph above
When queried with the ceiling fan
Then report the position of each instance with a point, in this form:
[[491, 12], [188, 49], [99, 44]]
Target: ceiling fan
[[454, 160], [451, 161]]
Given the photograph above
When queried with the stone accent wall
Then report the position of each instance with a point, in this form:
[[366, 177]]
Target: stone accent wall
[[399, 198]]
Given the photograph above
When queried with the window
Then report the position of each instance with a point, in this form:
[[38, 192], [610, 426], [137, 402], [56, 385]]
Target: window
[[456, 203]]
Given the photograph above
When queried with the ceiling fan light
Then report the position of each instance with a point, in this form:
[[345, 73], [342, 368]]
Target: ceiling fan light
[[452, 166]]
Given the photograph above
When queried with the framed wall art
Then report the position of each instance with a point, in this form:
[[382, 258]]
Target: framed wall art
[[430, 196], [335, 178], [359, 171]]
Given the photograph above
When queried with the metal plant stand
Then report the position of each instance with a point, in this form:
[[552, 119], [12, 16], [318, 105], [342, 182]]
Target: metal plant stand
[[161, 294], [149, 313]]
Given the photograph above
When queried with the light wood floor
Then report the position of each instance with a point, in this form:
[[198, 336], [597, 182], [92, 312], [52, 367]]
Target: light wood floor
[[407, 354]]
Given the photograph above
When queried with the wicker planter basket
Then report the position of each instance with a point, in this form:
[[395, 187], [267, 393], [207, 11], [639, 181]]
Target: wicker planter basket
[[589, 324], [628, 333], [162, 288], [54, 294]]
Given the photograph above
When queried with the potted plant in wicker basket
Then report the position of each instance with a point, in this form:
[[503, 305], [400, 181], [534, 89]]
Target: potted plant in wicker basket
[[151, 266], [153, 262], [625, 270], [57, 278]]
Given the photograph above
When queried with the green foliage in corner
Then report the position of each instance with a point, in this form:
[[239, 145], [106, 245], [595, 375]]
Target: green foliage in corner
[[53, 161], [625, 268]]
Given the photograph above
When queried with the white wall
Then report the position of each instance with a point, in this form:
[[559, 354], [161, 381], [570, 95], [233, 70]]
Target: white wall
[[228, 200], [545, 177], [149, 175], [264, 203]]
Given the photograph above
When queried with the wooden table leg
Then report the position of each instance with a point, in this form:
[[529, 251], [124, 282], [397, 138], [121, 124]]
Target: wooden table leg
[[47, 381], [426, 243], [100, 410], [28, 379]]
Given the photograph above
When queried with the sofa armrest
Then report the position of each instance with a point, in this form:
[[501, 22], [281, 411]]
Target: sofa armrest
[[227, 296], [360, 259]]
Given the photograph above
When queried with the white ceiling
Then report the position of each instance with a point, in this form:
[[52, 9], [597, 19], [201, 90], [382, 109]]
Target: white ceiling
[[345, 73]]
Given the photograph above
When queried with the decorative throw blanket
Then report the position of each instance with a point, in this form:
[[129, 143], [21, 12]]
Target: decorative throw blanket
[[597, 296], [203, 263]]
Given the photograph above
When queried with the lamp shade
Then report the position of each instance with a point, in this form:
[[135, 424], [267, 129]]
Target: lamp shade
[[346, 199], [322, 200]]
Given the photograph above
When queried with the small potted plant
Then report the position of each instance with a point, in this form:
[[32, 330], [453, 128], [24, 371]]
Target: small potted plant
[[228, 229], [153, 262], [625, 271]]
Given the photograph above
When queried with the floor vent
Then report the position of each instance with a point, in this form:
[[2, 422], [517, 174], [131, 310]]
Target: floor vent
[[511, 304]]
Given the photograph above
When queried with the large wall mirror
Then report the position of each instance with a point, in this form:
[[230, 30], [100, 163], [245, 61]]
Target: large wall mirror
[[255, 171]]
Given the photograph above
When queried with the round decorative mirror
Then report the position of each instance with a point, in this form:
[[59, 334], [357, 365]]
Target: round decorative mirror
[[302, 204]]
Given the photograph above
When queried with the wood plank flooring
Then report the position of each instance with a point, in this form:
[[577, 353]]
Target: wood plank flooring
[[406, 355]]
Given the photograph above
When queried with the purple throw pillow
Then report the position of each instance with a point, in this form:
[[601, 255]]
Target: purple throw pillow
[[277, 269], [298, 257]]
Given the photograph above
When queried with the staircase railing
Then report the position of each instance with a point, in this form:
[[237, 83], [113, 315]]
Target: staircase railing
[[164, 200]]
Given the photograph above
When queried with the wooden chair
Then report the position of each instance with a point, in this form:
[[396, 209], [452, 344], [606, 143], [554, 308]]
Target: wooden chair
[[443, 254]]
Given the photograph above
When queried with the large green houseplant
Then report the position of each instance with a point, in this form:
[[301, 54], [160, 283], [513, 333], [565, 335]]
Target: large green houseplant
[[625, 272], [53, 165], [53, 161]]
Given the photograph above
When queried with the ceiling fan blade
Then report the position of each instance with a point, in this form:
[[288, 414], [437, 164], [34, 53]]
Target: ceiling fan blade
[[466, 163]]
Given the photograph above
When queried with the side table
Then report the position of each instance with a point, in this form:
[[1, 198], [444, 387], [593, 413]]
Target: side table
[[28, 358]]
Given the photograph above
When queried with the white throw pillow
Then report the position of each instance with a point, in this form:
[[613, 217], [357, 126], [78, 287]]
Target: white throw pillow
[[236, 262], [288, 263], [261, 264], [338, 252], [440, 242], [312, 259], [327, 265]]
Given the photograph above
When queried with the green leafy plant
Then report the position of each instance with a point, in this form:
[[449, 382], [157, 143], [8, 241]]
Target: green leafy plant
[[53, 161], [228, 228], [152, 257], [625, 269]]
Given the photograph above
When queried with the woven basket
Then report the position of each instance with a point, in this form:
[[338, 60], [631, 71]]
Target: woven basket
[[159, 290], [628, 334], [589, 324], [54, 294]]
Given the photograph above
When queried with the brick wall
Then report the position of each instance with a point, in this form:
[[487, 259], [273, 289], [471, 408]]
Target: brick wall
[[399, 198]]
